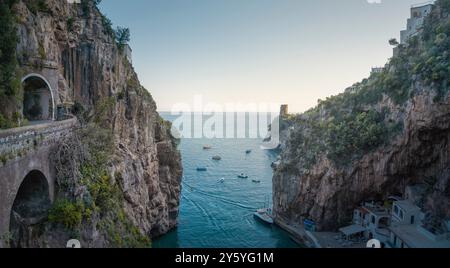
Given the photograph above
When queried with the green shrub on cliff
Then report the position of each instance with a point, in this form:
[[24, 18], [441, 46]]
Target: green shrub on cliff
[[8, 40], [107, 26], [342, 137], [445, 5], [122, 37], [347, 126], [35, 6], [67, 213], [82, 163], [356, 134], [9, 71]]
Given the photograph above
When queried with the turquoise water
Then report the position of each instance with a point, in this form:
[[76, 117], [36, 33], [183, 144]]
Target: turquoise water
[[214, 214]]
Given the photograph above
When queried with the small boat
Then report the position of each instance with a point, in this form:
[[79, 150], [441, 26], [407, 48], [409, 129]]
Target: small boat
[[248, 151], [207, 147], [217, 158], [202, 169], [221, 180], [256, 181], [264, 215], [242, 176]]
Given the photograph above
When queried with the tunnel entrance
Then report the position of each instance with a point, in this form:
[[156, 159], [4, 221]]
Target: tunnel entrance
[[29, 209], [37, 99]]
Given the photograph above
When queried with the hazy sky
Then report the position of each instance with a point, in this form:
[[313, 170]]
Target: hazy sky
[[256, 51]]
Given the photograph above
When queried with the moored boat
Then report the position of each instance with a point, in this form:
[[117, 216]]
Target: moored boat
[[243, 176], [217, 158], [202, 169], [264, 215]]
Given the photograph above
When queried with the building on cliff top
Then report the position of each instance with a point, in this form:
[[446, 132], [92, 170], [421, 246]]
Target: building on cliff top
[[284, 110], [376, 70], [415, 23]]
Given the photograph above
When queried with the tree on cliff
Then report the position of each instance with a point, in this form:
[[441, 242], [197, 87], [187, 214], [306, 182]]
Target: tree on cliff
[[9, 79], [8, 40], [122, 36]]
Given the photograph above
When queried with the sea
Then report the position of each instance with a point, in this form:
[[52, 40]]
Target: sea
[[217, 207]]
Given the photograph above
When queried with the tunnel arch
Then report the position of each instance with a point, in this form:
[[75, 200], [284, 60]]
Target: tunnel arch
[[38, 100], [30, 207]]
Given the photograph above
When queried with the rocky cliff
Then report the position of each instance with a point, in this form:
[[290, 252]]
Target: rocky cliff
[[93, 73], [388, 132]]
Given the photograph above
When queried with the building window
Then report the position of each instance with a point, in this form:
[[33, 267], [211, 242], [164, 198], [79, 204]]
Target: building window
[[413, 219], [401, 214], [373, 219], [396, 210]]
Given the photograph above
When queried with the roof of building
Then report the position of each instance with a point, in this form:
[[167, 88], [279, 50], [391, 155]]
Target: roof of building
[[375, 209], [352, 229], [415, 239], [407, 205], [422, 5]]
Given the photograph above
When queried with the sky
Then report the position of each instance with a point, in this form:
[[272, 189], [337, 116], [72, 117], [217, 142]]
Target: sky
[[256, 51]]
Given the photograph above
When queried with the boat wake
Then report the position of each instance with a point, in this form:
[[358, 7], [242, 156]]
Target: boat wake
[[207, 215], [219, 198]]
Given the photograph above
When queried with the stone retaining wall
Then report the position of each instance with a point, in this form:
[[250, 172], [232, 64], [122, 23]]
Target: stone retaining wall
[[17, 142]]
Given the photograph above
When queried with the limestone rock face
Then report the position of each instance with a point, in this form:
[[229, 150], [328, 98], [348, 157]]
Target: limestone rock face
[[84, 61], [420, 154]]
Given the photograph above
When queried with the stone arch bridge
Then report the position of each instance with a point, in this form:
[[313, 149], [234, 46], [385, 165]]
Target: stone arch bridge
[[27, 175]]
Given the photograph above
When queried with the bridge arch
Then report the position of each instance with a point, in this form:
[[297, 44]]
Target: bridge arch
[[30, 206], [38, 100]]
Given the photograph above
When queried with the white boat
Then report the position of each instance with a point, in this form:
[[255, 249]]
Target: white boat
[[243, 176], [268, 146], [264, 215]]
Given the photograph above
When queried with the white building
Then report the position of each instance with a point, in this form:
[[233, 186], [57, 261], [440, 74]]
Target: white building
[[370, 221], [415, 23], [406, 230], [377, 70], [405, 212], [375, 219]]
